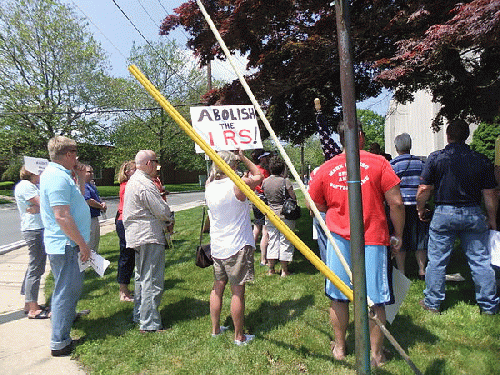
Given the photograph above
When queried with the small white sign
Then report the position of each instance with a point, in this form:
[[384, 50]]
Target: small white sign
[[228, 127], [400, 286], [494, 246], [35, 165], [96, 261]]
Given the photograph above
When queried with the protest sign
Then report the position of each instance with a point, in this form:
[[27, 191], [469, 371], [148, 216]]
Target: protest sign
[[227, 127], [35, 165]]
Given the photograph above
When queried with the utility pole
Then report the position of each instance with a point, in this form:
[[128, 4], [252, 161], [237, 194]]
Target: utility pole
[[357, 238]]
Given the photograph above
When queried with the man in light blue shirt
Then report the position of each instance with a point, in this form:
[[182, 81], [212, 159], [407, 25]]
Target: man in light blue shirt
[[66, 218]]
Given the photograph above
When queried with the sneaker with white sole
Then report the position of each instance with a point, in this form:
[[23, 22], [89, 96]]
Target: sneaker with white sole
[[222, 329], [248, 338]]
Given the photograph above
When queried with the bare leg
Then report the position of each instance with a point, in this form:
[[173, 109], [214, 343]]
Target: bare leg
[[377, 338], [284, 268], [216, 304], [421, 256], [238, 310], [339, 317], [33, 309], [271, 263], [125, 294], [264, 240], [400, 261], [256, 231]]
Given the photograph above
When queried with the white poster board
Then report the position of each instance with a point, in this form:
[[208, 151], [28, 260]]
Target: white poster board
[[400, 286], [35, 165], [227, 127]]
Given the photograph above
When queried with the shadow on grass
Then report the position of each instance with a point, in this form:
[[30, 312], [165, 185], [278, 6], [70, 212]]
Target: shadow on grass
[[403, 324], [436, 367], [271, 315]]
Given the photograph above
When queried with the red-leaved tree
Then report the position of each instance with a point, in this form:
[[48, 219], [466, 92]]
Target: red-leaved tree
[[292, 47]]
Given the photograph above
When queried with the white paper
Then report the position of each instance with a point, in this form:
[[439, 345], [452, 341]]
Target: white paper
[[35, 165], [494, 246], [227, 127], [400, 287], [96, 261]]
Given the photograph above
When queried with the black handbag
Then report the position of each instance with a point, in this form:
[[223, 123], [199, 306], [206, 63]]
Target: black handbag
[[203, 254], [290, 210]]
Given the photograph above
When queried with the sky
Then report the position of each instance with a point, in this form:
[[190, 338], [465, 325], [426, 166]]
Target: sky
[[117, 24]]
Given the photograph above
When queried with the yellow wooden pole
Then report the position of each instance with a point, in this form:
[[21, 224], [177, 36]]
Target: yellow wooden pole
[[250, 194]]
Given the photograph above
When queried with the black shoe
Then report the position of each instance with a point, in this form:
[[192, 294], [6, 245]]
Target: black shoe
[[67, 350]]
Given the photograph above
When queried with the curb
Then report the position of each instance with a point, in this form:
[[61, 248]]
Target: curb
[[12, 246]]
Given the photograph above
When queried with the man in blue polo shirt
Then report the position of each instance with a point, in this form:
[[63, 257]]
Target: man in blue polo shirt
[[66, 218], [458, 177]]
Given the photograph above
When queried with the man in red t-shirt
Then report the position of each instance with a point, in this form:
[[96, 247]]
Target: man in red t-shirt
[[329, 191]]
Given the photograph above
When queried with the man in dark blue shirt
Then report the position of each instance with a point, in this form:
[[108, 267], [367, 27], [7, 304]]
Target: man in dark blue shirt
[[458, 177]]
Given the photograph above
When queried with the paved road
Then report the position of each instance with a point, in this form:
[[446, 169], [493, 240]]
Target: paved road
[[10, 231]]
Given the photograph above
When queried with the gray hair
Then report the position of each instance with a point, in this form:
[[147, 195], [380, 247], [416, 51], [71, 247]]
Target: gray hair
[[403, 143]]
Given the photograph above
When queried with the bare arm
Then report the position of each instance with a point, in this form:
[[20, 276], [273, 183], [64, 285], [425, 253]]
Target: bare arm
[[95, 204], [424, 193], [253, 180], [491, 204], [68, 225], [291, 192], [35, 205], [397, 214]]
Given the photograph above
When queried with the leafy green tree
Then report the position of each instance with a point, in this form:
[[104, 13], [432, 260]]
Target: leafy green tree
[[175, 75], [373, 126], [313, 154], [483, 139], [52, 72]]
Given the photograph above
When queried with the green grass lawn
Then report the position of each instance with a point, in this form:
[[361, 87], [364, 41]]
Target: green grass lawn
[[113, 191], [289, 317]]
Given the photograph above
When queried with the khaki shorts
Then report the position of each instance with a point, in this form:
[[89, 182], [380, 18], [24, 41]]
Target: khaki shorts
[[237, 269]]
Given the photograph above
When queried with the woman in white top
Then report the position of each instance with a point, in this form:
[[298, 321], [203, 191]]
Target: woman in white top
[[231, 241], [28, 203]]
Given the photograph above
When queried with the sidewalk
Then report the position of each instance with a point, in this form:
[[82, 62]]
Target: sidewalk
[[24, 343]]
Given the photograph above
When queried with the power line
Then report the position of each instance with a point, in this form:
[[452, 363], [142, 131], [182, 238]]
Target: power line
[[97, 27], [90, 111], [153, 47]]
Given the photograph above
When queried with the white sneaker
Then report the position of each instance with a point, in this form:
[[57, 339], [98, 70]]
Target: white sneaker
[[248, 338], [222, 329]]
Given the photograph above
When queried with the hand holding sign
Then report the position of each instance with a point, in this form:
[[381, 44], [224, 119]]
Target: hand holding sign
[[227, 127]]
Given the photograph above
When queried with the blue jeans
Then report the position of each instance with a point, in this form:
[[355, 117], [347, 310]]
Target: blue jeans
[[68, 283], [470, 225]]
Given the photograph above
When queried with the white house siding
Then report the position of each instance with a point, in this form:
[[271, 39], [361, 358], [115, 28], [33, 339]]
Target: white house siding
[[415, 118]]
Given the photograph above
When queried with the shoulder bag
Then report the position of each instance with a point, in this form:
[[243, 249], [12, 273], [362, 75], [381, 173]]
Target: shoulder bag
[[203, 254], [290, 210]]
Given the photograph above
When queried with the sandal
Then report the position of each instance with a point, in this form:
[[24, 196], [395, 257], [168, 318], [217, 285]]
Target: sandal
[[43, 314]]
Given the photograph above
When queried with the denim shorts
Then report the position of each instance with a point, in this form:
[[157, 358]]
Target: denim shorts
[[378, 282]]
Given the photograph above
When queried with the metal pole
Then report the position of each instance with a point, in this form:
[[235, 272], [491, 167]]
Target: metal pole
[[362, 337]]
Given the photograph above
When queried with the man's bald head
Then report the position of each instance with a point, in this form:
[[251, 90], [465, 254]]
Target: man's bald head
[[146, 161], [143, 157]]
